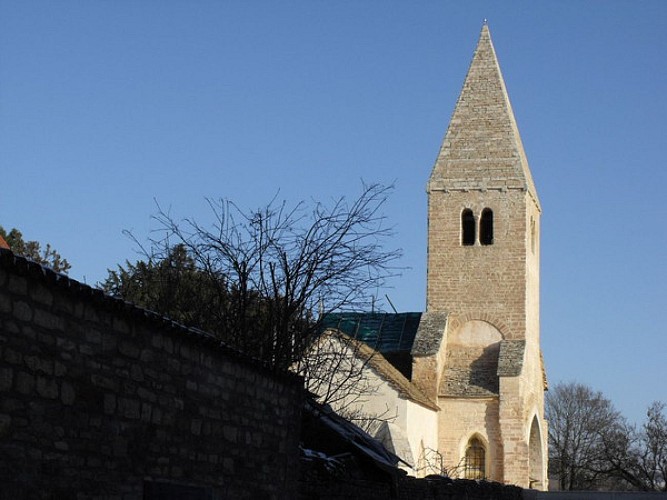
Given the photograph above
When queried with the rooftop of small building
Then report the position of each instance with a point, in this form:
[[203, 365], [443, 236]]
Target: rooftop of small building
[[384, 332]]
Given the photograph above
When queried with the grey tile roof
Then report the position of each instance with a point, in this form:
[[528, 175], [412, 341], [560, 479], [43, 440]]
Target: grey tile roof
[[510, 358], [387, 372], [430, 333]]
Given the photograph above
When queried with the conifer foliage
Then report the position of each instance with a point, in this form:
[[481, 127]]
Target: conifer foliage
[[33, 250]]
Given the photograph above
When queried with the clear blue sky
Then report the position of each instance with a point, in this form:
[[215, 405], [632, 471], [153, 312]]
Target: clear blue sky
[[108, 105]]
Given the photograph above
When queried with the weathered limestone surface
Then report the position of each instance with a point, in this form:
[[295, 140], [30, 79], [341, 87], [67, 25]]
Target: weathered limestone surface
[[489, 379]]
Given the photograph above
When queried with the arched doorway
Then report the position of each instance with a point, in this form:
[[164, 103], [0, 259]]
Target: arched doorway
[[536, 457]]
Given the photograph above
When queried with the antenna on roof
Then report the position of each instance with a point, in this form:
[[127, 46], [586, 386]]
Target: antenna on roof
[[390, 303]]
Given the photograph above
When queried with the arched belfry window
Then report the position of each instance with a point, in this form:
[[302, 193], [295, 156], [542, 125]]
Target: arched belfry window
[[467, 227], [486, 227], [475, 460]]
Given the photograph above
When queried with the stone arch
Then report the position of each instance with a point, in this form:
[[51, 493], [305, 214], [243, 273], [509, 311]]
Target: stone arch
[[475, 457], [456, 321], [478, 332], [468, 233], [486, 227], [471, 365], [535, 456]]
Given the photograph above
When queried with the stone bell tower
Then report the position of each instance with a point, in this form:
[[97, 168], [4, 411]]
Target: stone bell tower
[[478, 352]]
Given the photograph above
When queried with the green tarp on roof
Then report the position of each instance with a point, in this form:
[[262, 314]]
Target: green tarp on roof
[[384, 332]]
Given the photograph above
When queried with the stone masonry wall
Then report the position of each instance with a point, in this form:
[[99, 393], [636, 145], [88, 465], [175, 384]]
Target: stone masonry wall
[[101, 400], [410, 488], [479, 282]]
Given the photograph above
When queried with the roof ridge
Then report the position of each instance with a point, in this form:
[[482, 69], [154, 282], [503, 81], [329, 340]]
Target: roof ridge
[[387, 371]]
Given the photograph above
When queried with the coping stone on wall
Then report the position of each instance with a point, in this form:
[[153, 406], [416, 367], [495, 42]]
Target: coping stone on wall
[[22, 266]]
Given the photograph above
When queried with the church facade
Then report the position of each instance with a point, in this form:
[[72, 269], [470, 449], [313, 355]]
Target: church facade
[[474, 354]]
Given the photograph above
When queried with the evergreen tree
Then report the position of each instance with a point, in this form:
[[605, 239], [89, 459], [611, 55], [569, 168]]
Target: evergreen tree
[[33, 250]]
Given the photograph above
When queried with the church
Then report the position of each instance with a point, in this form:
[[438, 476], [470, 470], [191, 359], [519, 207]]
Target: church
[[465, 379]]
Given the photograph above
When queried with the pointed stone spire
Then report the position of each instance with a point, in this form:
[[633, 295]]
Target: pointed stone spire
[[482, 148]]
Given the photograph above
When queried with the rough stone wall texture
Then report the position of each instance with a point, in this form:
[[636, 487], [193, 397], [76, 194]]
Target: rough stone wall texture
[[98, 398], [410, 488], [462, 419], [471, 371], [446, 489], [475, 282], [482, 165]]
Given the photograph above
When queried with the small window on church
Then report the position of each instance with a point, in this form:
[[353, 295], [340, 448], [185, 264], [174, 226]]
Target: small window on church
[[467, 227], [486, 227], [532, 234], [475, 460]]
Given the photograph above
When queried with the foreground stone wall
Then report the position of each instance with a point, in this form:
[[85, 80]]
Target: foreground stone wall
[[410, 488], [104, 400]]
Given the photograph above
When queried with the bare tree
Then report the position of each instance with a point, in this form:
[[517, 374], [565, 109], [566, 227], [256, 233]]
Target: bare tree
[[651, 455], [579, 419], [336, 370], [591, 446], [433, 463], [278, 270], [637, 458]]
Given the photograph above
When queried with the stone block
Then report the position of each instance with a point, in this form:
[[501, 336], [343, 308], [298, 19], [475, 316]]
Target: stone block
[[17, 284], [36, 364], [144, 393], [67, 393], [230, 433], [12, 357], [48, 320], [59, 369], [6, 378], [65, 344], [109, 342], [146, 412], [119, 447], [156, 416], [129, 408], [61, 445], [46, 338], [109, 404], [5, 424], [120, 325], [40, 294], [129, 349], [22, 311], [93, 336], [47, 387], [136, 373], [5, 303], [24, 383], [63, 304], [90, 313]]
